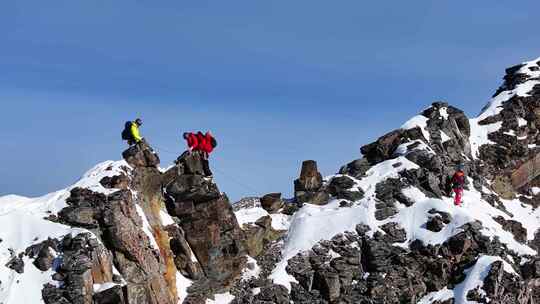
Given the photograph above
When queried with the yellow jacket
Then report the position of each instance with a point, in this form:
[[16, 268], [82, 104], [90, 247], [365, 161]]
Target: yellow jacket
[[135, 132]]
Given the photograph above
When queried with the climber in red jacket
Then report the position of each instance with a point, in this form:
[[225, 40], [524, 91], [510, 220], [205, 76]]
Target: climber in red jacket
[[192, 141], [203, 144], [458, 181], [207, 142]]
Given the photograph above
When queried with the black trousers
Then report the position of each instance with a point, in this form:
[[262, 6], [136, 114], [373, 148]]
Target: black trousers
[[206, 165]]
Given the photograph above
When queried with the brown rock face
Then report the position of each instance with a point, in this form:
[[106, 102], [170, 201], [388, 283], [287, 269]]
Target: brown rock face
[[116, 221], [147, 182], [183, 255], [309, 187], [208, 220], [140, 264], [310, 178]]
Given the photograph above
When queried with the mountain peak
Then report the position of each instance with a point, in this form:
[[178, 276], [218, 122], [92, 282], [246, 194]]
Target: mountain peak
[[385, 229]]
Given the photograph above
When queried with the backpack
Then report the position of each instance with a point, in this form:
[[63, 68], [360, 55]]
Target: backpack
[[126, 133], [458, 181]]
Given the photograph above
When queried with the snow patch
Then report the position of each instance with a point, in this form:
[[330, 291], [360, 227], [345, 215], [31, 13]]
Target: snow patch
[[182, 285], [418, 121], [405, 148], [166, 219], [479, 135], [441, 296], [476, 276], [104, 286], [444, 137], [146, 227], [280, 221], [223, 298], [248, 273], [444, 113], [521, 122], [250, 215]]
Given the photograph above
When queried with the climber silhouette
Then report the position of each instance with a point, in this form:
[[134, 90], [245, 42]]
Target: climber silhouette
[[203, 144], [131, 132], [458, 181]]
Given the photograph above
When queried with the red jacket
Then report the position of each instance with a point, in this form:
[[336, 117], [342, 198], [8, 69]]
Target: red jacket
[[192, 141], [458, 180], [205, 142]]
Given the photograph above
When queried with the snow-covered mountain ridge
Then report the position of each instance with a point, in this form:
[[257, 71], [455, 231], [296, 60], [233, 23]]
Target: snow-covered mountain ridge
[[406, 211], [382, 230]]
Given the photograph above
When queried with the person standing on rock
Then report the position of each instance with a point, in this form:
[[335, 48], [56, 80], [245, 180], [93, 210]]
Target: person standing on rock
[[203, 144], [131, 132], [206, 144], [458, 181], [192, 141]]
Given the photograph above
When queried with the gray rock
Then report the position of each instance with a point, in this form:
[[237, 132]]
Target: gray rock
[[272, 202], [16, 263]]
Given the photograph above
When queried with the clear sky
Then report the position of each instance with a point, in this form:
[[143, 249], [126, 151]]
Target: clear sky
[[277, 82]]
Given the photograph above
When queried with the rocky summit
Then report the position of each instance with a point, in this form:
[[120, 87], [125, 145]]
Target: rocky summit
[[384, 229]]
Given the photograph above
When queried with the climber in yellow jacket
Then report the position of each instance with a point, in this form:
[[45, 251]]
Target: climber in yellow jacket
[[131, 132], [135, 134]]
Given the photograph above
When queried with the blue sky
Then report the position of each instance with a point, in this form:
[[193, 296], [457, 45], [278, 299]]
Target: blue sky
[[276, 81]]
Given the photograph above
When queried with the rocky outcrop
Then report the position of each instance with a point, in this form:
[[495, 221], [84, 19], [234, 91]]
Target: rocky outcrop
[[115, 182], [514, 227], [84, 263], [516, 140], [207, 218], [341, 187], [309, 187], [501, 287], [16, 263], [130, 237], [148, 184], [141, 155], [356, 168], [116, 221], [246, 203], [259, 234], [355, 268], [184, 258], [272, 202], [449, 131], [204, 243]]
